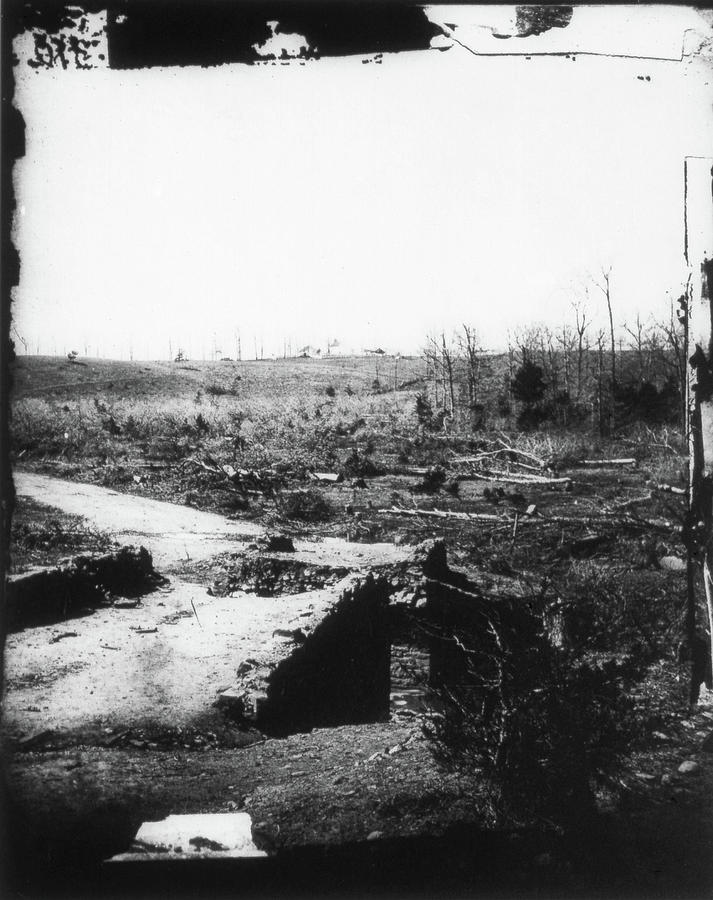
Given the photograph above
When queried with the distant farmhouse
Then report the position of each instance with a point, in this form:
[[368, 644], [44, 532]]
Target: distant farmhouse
[[336, 348], [332, 348]]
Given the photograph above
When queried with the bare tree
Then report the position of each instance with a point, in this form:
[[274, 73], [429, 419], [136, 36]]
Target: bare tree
[[472, 352], [699, 308], [675, 332], [581, 324], [432, 356], [602, 404], [567, 341], [604, 285], [639, 336], [511, 368], [448, 355], [20, 338]]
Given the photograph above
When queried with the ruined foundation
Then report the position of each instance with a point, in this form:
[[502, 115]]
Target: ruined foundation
[[329, 667], [45, 596]]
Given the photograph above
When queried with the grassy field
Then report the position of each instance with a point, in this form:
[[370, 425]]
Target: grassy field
[[253, 414]]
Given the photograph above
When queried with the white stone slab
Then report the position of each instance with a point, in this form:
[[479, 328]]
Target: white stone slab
[[202, 836]]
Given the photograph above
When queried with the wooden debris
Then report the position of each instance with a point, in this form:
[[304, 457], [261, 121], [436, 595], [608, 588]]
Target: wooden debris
[[507, 465], [64, 634], [634, 501], [443, 514], [518, 478], [414, 471], [670, 489], [116, 738], [541, 463], [629, 461], [333, 477]]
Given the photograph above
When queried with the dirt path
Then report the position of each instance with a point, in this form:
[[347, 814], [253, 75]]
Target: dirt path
[[169, 532], [174, 534]]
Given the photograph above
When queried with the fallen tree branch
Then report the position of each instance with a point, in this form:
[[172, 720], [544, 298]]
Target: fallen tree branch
[[445, 514], [518, 478], [670, 489], [628, 461], [65, 634], [440, 514], [541, 463], [625, 504]]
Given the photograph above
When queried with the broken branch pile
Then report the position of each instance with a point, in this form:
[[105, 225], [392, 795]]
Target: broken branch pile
[[244, 481], [506, 464]]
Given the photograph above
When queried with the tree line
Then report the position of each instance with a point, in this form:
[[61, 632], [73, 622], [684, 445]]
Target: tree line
[[573, 374]]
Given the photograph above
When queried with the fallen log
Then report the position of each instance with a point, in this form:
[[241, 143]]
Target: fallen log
[[444, 514], [521, 478], [490, 454], [331, 477], [208, 468], [628, 461], [414, 471], [541, 463], [634, 501], [670, 489], [64, 634]]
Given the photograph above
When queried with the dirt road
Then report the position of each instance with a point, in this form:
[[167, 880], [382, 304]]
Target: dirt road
[[162, 662], [173, 533], [168, 531]]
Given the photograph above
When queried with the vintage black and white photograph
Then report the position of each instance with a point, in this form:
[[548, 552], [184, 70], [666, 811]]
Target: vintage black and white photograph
[[357, 449]]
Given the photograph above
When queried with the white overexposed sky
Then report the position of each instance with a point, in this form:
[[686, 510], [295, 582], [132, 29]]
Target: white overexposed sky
[[367, 203]]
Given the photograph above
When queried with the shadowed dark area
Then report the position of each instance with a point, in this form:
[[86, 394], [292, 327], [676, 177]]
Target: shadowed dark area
[[165, 32]]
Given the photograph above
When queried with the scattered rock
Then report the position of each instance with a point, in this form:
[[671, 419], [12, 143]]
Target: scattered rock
[[689, 767], [374, 835], [672, 564], [280, 543]]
